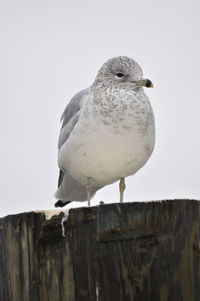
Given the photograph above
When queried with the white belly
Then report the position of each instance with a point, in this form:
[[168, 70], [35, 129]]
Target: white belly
[[96, 152]]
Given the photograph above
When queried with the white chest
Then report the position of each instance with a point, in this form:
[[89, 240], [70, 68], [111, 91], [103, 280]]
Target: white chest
[[109, 142]]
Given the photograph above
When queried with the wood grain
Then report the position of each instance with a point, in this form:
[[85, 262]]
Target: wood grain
[[130, 251]]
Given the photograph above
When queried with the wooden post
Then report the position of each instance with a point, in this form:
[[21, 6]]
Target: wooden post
[[129, 251]]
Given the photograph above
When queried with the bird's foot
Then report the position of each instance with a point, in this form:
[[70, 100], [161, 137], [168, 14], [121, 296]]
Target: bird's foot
[[89, 189], [122, 187]]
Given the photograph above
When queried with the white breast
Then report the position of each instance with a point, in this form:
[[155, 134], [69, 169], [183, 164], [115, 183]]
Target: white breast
[[106, 147]]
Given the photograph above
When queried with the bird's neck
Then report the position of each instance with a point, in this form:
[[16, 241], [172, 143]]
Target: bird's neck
[[112, 105]]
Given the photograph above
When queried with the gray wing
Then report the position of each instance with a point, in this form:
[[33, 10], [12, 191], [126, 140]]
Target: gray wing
[[69, 119], [68, 188], [70, 116]]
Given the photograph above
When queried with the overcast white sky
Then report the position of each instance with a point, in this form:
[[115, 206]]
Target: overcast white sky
[[49, 50]]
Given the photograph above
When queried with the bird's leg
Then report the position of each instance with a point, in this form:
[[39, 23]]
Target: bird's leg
[[122, 187], [89, 190]]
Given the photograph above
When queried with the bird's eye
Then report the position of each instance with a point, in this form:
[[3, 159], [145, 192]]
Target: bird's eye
[[119, 74]]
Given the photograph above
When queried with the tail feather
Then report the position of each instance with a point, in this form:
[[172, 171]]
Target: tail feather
[[60, 203], [70, 190]]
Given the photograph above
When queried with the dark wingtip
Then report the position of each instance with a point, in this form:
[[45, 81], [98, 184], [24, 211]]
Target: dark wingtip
[[61, 203]]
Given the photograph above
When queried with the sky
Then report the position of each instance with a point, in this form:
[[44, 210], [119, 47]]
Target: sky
[[50, 50]]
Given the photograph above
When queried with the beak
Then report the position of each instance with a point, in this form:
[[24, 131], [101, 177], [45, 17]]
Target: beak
[[144, 83]]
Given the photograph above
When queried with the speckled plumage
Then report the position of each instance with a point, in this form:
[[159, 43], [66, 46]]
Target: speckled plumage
[[110, 134]]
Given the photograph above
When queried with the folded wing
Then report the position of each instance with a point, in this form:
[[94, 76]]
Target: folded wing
[[68, 188]]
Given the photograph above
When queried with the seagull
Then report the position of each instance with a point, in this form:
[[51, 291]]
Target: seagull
[[107, 132]]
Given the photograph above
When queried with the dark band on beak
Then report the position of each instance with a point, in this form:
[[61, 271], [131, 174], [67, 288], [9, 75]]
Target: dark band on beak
[[148, 83]]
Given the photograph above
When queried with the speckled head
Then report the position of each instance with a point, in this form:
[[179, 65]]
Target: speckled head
[[122, 69]]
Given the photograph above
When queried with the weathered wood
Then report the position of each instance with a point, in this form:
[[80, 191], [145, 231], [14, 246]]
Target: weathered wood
[[131, 251]]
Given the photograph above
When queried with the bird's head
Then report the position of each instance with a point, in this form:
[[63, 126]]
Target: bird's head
[[123, 69]]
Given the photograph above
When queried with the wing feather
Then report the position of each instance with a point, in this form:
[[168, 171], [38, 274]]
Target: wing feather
[[70, 116], [69, 119]]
